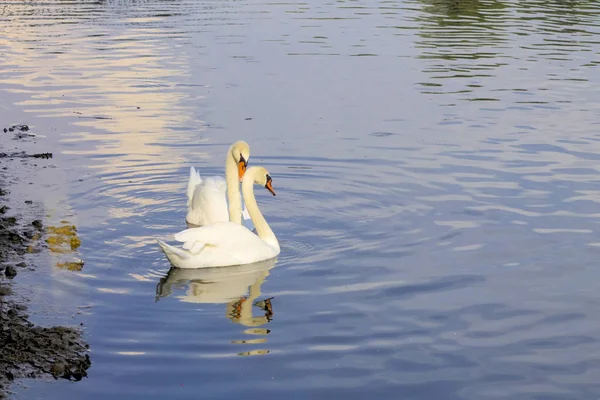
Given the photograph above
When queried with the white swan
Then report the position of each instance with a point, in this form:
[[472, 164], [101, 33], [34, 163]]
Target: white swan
[[227, 243], [206, 199]]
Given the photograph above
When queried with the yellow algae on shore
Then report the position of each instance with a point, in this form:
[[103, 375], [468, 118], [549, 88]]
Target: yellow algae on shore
[[63, 240], [61, 236]]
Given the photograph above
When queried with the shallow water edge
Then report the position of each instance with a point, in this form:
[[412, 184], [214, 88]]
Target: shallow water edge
[[28, 350]]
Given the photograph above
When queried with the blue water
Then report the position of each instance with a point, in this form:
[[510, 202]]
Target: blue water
[[437, 202]]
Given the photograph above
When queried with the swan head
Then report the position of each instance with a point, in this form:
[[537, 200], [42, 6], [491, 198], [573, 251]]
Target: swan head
[[240, 151], [261, 177]]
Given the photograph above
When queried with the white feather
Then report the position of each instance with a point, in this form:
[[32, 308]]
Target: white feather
[[226, 243]]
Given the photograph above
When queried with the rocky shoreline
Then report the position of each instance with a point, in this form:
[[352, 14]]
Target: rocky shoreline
[[27, 350]]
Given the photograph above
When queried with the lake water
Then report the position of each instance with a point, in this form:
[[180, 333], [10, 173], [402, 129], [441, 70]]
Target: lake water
[[437, 201]]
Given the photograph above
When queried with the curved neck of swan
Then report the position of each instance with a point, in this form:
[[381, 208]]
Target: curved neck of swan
[[233, 188], [263, 230]]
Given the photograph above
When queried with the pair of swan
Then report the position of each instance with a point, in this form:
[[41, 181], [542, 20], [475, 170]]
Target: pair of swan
[[222, 240]]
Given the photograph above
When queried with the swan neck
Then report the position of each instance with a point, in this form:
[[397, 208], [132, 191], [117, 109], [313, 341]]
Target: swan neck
[[263, 230], [233, 188]]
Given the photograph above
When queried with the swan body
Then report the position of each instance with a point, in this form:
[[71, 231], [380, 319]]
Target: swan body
[[226, 243], [214, 199]]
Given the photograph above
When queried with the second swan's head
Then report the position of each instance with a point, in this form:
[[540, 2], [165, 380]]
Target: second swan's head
[[261, 176], [240, 151]]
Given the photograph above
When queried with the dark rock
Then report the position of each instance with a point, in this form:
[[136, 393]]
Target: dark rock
[[22, 128], [27, 350], [42, 155], [33, 351], [28, 202], [78, 375], [15, 237], [5, 130], [10, 272], [57, 370]]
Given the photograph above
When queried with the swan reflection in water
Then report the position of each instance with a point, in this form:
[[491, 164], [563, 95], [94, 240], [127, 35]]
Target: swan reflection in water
[[227, 285]]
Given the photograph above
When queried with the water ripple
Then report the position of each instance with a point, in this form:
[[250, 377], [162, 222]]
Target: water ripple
[[436, 205]]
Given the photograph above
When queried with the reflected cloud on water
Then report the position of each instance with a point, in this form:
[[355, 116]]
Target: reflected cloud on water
[[413, 214]]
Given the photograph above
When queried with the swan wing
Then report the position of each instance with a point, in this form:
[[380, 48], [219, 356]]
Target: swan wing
[[193, 246], [217, 245], [222, 235], [194, 180], [217, 235], [209, 202]]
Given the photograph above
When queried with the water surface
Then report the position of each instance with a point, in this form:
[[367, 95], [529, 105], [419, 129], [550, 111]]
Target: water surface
[[435, 166]]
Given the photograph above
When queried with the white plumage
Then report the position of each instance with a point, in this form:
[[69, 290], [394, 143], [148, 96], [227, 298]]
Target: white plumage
[[227, 243], [214, 199]]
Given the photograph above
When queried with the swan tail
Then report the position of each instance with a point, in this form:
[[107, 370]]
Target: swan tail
[[194, 181], [174, 254]]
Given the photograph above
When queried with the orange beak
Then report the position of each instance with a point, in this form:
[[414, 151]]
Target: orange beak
[[269, 187], [241, 169]]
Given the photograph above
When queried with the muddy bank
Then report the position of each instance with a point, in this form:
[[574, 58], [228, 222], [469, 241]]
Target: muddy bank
[[26, 350]]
